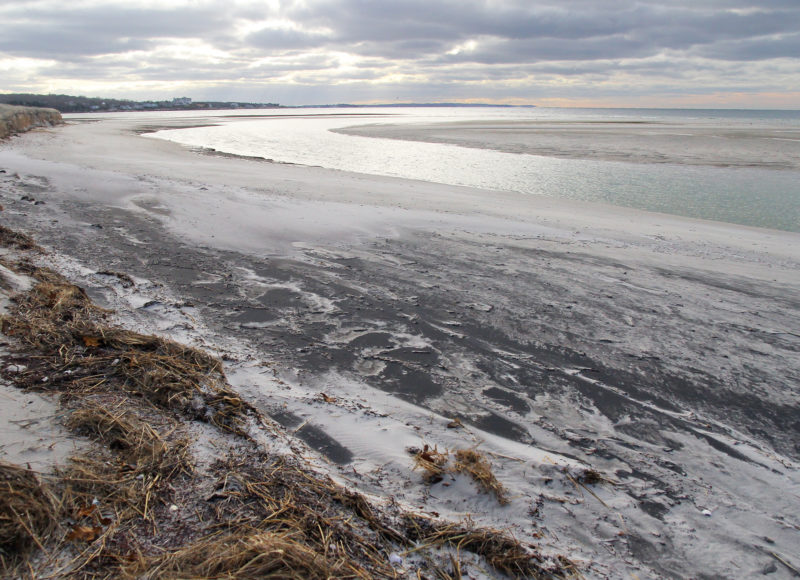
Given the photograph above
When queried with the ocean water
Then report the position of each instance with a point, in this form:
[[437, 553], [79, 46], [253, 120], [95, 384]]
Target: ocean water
[[733, 166]]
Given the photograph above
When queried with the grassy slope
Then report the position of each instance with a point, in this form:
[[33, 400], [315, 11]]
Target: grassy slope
[[15, 120]]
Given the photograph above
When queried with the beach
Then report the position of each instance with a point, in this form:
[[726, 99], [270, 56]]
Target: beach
[[658, 139], [367, 314]]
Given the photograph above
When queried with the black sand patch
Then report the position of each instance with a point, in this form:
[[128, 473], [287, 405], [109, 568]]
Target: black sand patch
[[315, 437], [508, 398]]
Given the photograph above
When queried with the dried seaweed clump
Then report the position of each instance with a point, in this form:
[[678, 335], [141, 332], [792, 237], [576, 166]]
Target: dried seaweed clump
[[431, 461], [121, 430], [51, 316], [435, 464], [111, 492], [27, 513], [245, 555], [11, 239], [589, 476], [475, 464], [59, 318], [272, 502], [501, 551], [281, 497], [177, 377]]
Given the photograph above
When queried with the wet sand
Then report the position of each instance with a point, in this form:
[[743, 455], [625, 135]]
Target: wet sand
[[629, 141], [660, 351]]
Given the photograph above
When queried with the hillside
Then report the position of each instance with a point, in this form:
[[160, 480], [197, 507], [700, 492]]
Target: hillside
[[15, 120]]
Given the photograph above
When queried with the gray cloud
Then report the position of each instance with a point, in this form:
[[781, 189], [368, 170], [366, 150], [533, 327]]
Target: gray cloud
[[286, 39], [630, 25], [760, 48], [54, 30], [447, 46]]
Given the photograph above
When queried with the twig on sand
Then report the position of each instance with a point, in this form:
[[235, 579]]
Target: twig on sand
[[580, 484], [794, 570]]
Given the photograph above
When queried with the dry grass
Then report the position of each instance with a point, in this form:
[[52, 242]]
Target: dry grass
[[589, 476], [118, 429], [351, 539], [134, 438], [501, 551], [474, 463], [57, 317], [435, 464], [112, 495], [282, 496], [27, 513], [243, 555], [11, 239], [431, 461], [51, 316]]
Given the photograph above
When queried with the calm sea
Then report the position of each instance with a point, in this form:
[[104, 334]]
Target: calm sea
[[727, 165]]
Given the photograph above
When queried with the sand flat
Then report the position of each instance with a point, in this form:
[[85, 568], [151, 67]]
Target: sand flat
[[658, 350], [624, 140]]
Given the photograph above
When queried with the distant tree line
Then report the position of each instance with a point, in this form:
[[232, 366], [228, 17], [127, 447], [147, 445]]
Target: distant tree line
[[72, 104]]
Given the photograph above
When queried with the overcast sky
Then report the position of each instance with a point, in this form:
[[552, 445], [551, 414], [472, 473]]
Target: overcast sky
[[729, 53]]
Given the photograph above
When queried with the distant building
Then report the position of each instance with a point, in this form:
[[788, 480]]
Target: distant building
[[181, 102]]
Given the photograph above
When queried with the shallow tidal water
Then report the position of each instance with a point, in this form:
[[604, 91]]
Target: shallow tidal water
[[732, 166]]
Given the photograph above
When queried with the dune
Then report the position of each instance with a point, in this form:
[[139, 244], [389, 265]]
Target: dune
[[15, 120]]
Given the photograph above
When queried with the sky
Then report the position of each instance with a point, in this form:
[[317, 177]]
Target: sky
[[672, 53]]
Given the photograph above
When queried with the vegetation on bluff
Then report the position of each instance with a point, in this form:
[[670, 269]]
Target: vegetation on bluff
[[15, 120]]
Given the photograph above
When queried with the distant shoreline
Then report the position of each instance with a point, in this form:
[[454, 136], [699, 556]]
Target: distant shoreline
[[80, 104]]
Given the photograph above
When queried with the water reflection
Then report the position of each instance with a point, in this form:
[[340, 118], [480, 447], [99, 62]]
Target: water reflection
[[744, 195]]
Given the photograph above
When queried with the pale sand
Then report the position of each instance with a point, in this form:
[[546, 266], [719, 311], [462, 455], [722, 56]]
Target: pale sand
[[664, 141], [111, 146], [660, 350]]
